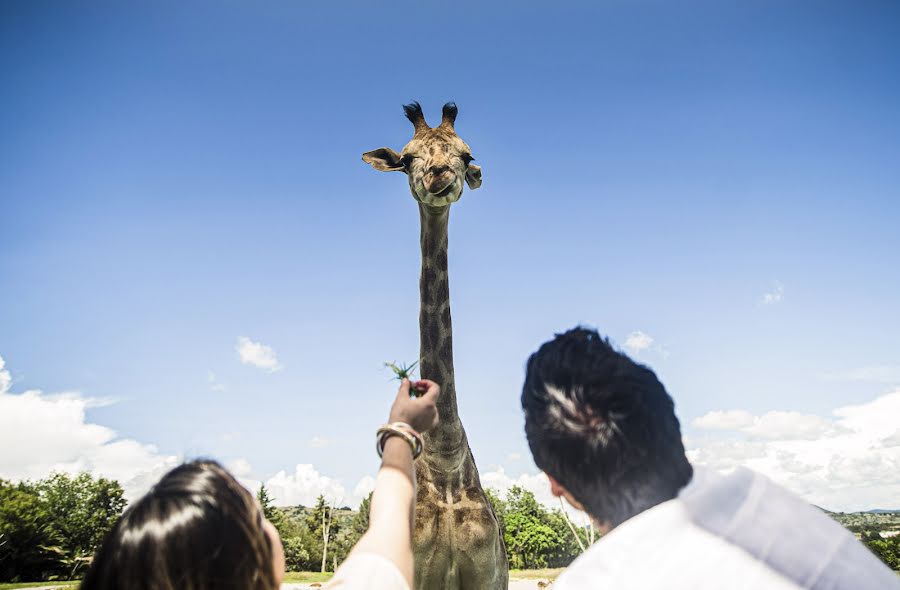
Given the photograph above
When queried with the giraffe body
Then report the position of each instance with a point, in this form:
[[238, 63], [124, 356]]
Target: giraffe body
[[457, 542]]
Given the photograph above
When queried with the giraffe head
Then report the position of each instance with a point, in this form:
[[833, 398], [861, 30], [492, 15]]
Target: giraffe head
[[436, 160]]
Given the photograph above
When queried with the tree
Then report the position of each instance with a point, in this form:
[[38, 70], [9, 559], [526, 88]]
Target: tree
[[887, 550], [361, 520], [573, 540], [29, 546], [321, 522], [498, 505], [530, 540], [82, 510], [269, 510], [296, 556]]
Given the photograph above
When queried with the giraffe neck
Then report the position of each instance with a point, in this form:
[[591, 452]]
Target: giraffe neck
[[446, 445]]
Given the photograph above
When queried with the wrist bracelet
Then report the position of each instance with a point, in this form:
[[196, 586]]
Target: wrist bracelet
[[404, 431]]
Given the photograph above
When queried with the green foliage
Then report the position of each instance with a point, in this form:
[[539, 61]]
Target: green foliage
[[887, 550], [403, 372], [50, 529], [530, 540], [272, 513], [535, 537], [296, 557], [29, 546], [82, 511], [360, 522], [498, 505], [301, 533], [869, 526]]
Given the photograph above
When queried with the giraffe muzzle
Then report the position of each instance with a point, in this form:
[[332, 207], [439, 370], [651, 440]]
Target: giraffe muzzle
[[440, 184]]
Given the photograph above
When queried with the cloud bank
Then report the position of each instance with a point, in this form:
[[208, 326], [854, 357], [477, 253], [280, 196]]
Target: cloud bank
[[848, 461], [50, 433]]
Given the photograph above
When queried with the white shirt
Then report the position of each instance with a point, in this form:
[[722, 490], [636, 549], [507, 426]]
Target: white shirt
[[367, 571], [739, 531]]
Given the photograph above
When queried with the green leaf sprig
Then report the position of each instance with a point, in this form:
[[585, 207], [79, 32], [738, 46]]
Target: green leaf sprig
[[404, 372]]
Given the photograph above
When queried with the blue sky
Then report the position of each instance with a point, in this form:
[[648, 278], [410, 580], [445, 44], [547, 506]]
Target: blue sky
[[175, 177]]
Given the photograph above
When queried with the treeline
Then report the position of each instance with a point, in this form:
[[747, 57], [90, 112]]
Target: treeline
[[49, 529], [317, 538]]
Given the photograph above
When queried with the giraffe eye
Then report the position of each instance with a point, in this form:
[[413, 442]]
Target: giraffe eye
[[466, 158], [406, 160]]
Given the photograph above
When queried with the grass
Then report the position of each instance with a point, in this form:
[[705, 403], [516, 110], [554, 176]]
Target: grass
[[289, 577], [38, 584], [544, 574], [305, 577]]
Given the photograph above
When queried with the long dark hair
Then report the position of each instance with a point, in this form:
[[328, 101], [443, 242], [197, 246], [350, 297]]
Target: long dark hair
[[197, 529]]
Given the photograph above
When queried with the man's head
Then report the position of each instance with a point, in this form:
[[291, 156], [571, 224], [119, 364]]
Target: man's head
[[602, 427], [436, 161]]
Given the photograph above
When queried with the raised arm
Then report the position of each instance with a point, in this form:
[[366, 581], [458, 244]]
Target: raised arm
[[392, 510]]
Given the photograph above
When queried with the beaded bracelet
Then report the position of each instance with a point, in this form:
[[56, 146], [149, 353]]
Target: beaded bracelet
[[404, 431]]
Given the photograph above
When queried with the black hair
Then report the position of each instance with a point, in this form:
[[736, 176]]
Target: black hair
[[197, 529], [603, 426]]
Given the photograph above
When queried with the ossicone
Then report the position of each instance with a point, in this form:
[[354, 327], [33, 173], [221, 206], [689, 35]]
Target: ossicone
[[448, 114], [413, 112]]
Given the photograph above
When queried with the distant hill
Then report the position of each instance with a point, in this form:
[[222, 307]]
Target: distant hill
[[873, 511]]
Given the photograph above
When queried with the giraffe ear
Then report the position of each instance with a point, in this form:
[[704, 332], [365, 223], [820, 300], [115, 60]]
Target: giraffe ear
[[384, 159], [473, 176]]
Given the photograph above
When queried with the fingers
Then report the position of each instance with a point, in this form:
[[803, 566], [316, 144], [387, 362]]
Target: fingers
[[403, 392], [428, 389]]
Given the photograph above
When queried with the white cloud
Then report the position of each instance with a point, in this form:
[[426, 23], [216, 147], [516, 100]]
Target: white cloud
[[51, 433], [318, 442], [848, 461], [724, 420], [214, 383], [514, 457], [537, 483], [638, 341], [257, 354], [240, 467], [364, 487], [778, 425], [5, 377], [771, 425], [892, 440], [304, 486], [775, 296]]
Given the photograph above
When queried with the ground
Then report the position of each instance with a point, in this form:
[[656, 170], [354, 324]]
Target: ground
[[519, 580]]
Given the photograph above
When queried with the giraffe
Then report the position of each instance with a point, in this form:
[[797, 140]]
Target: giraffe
[[458, 542]]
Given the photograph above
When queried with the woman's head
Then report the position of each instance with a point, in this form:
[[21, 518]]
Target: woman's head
[[197, 529]]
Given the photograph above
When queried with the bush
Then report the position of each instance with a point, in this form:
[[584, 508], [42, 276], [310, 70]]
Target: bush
[[296, 557]]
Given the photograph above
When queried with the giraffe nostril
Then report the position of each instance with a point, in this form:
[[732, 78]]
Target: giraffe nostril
[[438, 170]]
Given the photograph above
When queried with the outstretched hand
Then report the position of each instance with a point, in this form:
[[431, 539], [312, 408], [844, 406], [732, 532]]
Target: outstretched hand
[[419, 412]]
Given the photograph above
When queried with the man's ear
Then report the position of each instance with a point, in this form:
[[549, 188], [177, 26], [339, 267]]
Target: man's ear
[[384, 159], [473, 176], [559, 491], [555, 489]]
